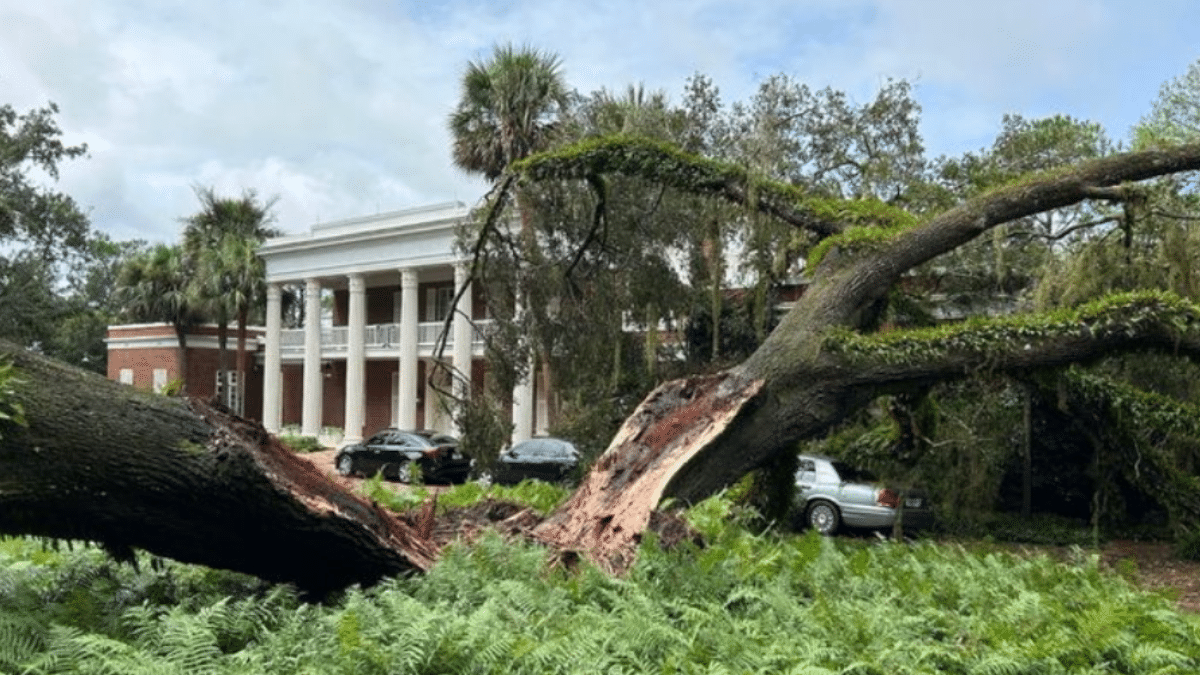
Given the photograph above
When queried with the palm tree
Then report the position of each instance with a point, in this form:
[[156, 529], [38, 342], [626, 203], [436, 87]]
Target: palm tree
[[153, 286], [221, 242], [245, 274], [509, 108]]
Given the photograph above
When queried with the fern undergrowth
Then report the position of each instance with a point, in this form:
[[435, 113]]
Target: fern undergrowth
[[745, 603]]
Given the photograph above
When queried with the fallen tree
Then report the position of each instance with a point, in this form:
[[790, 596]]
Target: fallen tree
[[98, 461], [94, 460]]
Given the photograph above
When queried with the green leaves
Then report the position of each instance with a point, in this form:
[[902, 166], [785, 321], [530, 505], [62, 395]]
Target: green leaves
[[663, 163], [508, 108], [32, 142]]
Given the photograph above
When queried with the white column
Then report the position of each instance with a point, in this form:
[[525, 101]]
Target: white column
[[522, 408], [310, 419], [542, 403], [464, 335], [406, 399], [356, 361], [272, 363], [273, 376]]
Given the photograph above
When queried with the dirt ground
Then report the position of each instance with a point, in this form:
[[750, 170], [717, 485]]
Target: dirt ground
[[324, 462], [1151, 564], [1158, 568]]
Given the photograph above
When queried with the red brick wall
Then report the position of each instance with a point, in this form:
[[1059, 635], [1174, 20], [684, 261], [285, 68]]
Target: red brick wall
[[333, 382], [293, 393], [142, 362], [380, 302], [378, 414]]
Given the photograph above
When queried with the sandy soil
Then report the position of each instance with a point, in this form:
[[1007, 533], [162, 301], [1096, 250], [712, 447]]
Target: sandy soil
[[324, 461]]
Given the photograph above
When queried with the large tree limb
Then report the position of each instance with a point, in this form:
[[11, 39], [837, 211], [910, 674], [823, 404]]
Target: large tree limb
[[667, 165], [1145, 321], [858, 271], [104, 462], [879, 267], [799, 388]]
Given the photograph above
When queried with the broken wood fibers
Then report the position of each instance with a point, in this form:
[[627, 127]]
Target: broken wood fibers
[[605, 517]]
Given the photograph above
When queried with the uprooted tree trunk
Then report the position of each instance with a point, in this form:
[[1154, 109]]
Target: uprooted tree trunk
[[104, 462]]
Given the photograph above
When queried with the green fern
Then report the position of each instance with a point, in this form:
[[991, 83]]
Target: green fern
[[747, 602], [22, 637]]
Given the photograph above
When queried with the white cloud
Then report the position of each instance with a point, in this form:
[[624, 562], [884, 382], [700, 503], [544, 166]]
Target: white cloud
[[339, 107]]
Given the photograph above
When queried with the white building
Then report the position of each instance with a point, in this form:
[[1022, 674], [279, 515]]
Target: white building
[[392, 279]]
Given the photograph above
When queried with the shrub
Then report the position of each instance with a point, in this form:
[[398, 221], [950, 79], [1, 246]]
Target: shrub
[[1187, 546], [297, 443]]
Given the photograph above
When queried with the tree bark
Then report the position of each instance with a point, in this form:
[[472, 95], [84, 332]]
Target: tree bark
[[104, 462]]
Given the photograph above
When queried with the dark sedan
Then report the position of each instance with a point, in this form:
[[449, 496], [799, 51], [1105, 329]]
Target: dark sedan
[[393, 453], [548, 459]]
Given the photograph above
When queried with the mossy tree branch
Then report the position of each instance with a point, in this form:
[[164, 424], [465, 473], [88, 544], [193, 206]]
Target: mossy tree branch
[[665, 164], [805, 379], [1143, 321]]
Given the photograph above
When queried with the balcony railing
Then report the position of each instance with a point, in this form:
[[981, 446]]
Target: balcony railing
[[377, 337]]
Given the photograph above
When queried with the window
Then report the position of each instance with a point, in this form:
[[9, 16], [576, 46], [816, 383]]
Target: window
[[437, 302], [160, 380], [229, 392], [126, 376]]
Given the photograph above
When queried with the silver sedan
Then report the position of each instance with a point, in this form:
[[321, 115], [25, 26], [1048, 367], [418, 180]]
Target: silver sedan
[[830, 494]]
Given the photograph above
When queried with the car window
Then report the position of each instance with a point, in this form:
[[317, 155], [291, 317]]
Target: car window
[[545, 448], [415, 441], [851, 474]]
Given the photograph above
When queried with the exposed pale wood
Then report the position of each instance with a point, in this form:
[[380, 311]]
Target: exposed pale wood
[[606, 515]]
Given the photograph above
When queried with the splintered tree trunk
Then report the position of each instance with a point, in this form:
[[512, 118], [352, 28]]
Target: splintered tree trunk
[[104, 462], [607, 514]]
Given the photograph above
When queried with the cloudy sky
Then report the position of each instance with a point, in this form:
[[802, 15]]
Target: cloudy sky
[[339, 107]]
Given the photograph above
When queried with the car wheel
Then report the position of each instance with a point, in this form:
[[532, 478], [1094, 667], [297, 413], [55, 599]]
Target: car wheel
[[823, 517], [404, 472], [345, 465]]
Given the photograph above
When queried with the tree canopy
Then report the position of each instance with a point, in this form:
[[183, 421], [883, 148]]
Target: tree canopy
[[31, 213], [55, 273]]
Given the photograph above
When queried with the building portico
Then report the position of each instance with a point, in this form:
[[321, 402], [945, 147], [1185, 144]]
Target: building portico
[[378, 294]]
